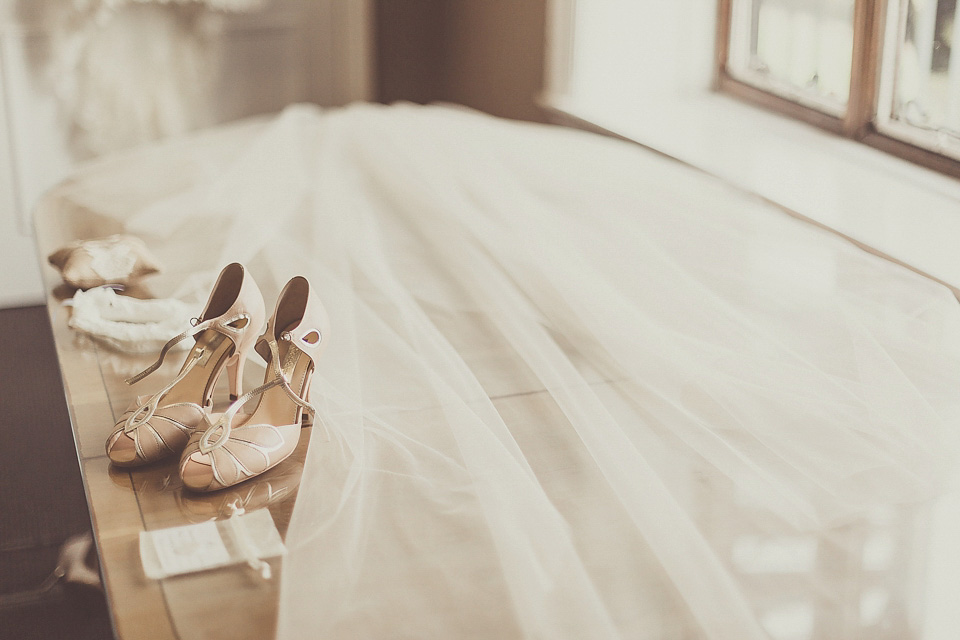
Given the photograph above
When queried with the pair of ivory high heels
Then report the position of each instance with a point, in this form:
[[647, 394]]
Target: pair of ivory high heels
[[219, 452]]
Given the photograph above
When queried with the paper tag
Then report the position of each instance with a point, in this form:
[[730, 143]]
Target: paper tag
[[208, 545], [190, 548]]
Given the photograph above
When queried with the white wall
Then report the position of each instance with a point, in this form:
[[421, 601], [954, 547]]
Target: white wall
[[634, 51]]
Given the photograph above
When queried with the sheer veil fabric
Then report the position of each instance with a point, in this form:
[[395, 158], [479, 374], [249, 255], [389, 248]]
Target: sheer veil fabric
[[569, 382]]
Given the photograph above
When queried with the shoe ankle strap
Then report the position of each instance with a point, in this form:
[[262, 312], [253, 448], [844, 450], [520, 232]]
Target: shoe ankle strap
[[220, 324]]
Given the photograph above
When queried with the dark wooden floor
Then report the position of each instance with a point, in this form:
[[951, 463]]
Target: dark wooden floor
[[41, 495]]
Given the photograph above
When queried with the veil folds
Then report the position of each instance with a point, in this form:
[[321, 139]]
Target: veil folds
[[573, 389]]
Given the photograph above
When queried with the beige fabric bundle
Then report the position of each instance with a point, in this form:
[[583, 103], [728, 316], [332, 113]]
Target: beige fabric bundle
[[116, 259]]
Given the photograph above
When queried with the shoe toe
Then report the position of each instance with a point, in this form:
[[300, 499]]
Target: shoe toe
[[196, 471], [122, 450]]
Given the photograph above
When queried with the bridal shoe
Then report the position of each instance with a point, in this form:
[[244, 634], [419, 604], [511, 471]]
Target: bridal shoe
[[159, 425], [224, 454]]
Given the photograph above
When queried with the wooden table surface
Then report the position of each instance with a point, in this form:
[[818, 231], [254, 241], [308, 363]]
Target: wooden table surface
[[232, 602]]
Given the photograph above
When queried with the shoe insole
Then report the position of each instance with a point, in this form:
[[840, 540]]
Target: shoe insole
[[275, 407]]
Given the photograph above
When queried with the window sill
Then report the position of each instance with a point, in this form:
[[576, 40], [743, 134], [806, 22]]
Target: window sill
[[889, 206]]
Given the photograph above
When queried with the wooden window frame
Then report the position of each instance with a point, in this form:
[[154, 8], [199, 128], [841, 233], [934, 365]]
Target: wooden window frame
[[858, 122]]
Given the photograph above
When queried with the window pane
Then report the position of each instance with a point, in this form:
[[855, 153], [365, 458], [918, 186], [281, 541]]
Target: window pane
[[799, 49], [920, 89]]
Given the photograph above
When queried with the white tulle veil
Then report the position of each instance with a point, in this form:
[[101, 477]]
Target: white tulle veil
[[573, 389]]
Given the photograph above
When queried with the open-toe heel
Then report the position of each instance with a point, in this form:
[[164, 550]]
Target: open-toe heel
[[160, 424], [224, 454]]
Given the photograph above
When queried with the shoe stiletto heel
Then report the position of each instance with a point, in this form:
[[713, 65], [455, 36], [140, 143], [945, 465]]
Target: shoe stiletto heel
[[160, 425], [235, 374], [223, 454]]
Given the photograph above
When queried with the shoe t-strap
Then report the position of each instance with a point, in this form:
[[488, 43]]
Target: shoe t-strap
[[224, 425], [146, 411]]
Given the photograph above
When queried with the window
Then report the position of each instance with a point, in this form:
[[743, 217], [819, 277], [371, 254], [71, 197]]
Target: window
[[885, 72]]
